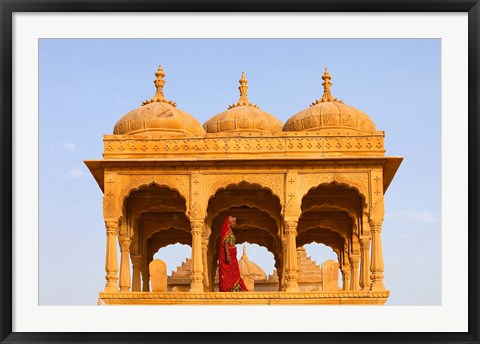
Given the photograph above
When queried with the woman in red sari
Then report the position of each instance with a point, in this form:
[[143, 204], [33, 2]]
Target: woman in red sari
[[228, 270]]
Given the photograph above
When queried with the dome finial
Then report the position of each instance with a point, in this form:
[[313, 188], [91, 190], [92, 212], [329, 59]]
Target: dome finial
[[326, 85], [243, 94], [327, 96], [159, 83], [244, 250]]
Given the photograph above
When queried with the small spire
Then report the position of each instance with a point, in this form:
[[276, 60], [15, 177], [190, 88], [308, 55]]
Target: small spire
[[159, 83], [327, 96], [243, 94], [326, 77], [244, 250], [243, 88]]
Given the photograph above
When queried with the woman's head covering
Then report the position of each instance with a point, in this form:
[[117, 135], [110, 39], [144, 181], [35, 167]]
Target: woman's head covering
[[226, 228]]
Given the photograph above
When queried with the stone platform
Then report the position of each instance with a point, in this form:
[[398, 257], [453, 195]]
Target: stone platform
[[250, 298]]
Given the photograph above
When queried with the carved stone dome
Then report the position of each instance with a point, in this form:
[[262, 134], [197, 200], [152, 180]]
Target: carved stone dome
[[159, 117], [243, 116], [247, 267], [329, 113]]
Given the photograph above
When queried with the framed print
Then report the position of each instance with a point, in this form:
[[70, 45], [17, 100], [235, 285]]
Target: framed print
[[297, 172]]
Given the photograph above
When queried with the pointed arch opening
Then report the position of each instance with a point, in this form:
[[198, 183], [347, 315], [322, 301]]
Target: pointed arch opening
[[154, 217], [258, 219], [332, 215]]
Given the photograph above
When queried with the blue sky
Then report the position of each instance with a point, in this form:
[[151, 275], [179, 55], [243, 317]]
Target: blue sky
[[86, 85]]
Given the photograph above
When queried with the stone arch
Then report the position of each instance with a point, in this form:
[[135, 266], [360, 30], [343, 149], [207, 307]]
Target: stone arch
[[329, 197], [154, 209], [273, 208], [335, 243], [354, 218], [348, 210], [157, 241], [182, 224], [138, 206], [337, 207], [159, 207], [261, 230], [356, 181], [237, 202], [272, 182], [247, 230], [132, 183]]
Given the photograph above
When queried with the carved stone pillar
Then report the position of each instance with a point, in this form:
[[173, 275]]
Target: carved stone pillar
[[283, 285], [197, 264], [365, 263], [145, 278], [291, 267], [206, 281], [376, 266], [137, 281], [346, 274], [111, 263], [125, 264], [354, 260]]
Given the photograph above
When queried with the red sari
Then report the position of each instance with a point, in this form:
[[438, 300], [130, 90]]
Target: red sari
[[228, 272]]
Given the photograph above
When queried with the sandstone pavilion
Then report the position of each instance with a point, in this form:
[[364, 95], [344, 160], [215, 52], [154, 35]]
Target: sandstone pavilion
[[320, 177]]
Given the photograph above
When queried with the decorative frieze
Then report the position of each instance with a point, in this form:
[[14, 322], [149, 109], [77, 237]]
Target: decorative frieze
[[284, 144]]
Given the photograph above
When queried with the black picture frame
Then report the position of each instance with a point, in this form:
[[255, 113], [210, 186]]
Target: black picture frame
[[9, 7]]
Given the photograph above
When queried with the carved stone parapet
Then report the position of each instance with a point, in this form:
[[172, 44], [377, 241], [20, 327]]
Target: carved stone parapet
[[281, 144]]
